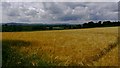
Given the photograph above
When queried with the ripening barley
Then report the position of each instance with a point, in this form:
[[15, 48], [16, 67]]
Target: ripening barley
[[70, 47]]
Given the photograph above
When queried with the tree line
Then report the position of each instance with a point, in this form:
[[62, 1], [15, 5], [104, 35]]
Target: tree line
[[37, 27]]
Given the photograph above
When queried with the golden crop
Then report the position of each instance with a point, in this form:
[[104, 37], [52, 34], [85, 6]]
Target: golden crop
[[78, 47]]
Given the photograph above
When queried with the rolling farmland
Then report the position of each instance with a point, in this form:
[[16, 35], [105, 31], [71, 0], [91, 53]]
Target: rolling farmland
[[77, 47]]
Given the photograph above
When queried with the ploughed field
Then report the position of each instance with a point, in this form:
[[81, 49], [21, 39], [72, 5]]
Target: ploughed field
[[77, 47]]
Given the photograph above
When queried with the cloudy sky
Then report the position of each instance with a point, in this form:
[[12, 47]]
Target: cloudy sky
[[58, 12]]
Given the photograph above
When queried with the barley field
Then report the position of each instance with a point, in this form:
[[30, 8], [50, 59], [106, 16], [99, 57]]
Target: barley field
[[77, 47]]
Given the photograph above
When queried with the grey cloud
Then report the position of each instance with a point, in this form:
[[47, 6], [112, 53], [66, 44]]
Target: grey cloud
[[31, 13], [13, 12], [75, 4], [6, 4], [70, 17], [24, 19], [59, 11]]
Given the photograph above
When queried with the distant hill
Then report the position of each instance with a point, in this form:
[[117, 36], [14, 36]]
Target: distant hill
[[13, 23], [11, 27]]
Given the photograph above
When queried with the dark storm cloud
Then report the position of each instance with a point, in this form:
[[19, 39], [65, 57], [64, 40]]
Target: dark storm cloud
[[49, 12]]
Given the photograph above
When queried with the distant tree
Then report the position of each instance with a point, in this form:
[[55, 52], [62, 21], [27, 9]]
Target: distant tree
[[91, 24], [50, 28], [85, 25], [78, 26], [5, 25], [99, 24], [107, 23]]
